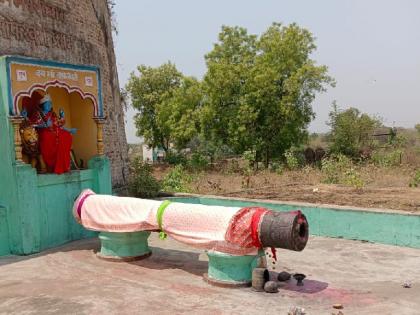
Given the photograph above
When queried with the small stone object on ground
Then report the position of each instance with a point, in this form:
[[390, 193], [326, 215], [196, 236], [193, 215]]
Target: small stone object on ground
[[271, 287], [266, 275], [258, 279], [338, 306], [262, 262], [299, 278], [283, 276], [294, 310], [315, 190], [407, 284]]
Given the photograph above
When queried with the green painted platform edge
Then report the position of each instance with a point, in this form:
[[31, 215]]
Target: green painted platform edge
[[386, 227], [73, 176]]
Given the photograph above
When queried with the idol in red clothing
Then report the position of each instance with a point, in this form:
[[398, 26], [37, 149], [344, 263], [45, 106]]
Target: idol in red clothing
[[55, 140]]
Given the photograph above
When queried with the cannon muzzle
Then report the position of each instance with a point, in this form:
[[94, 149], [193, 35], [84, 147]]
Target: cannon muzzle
[[288, 230]]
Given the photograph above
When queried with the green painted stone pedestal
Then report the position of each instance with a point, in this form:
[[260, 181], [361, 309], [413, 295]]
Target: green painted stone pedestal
[[230, 271], [124, 246]]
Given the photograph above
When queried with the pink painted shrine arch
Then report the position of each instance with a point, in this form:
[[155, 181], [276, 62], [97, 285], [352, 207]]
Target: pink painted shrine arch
[[59, 84]]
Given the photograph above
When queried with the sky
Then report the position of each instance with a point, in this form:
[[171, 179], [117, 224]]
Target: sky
[[371, 47]]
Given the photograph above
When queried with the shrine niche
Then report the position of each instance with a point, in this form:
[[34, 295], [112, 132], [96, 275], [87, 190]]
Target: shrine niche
[[60, 113]]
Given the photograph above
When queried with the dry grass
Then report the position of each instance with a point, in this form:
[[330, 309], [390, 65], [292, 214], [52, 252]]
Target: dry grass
[[385, 188]]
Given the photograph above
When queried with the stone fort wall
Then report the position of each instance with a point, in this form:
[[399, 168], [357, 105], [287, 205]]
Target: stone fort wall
[[78, 32]]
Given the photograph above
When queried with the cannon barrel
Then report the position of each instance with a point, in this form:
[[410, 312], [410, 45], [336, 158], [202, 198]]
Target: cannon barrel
[[287, 230]]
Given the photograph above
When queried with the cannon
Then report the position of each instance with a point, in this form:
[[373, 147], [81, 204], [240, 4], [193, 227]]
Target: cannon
[[233, 237]]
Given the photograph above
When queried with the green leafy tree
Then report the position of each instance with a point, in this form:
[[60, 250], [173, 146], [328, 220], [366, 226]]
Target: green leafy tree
[[282, 86], [417, 126], [260, 90], [351, 130], [228, 68], [168, 105], [182, 111], [150, 91]]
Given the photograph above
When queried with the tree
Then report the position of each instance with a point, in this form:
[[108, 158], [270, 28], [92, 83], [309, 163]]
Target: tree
[[183, 111], [417, 126], [228, 69], [281, 89], [149, 92], [260, 90], [168, 103], [351, 130]]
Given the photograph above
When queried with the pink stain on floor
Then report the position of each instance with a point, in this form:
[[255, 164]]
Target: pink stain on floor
[[192, 289], [343, 296]]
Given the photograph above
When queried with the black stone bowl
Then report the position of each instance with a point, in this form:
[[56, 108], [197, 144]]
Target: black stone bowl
[[299, 278]]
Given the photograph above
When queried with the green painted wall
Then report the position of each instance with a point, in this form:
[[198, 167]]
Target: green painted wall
[[380, 227], [41, 216], [35, 210], [7, 174], [4, 232], [56, 195]]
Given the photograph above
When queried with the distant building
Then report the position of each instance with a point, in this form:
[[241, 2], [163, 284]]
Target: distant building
[[152, 155]]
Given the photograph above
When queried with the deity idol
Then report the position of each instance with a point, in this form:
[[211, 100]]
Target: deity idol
[[55, 140]]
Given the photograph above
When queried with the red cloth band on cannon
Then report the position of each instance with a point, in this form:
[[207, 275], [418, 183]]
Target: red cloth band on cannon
[[79, 206]]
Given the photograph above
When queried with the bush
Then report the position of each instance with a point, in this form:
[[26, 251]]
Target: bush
[[399, 141], [351, 130], [339, 169], [352, 178], [198, 162], [333, 167], [387, 159], [276, 167], [249, 156], [415, 182], [174, 158], [222, 152], [230, 166], [142, 184], [294, 158], [176, 180]]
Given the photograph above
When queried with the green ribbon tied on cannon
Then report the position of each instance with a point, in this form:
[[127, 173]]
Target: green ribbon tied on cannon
[[160, 211]]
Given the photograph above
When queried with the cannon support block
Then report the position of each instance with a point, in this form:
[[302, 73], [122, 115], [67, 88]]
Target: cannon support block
[[230, 271], [124, 246]]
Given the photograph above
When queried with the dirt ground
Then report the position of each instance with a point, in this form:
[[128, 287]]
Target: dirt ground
[[385, 188]]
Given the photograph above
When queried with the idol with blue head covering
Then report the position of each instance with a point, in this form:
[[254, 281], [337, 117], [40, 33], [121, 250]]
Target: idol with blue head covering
[[55, 140]]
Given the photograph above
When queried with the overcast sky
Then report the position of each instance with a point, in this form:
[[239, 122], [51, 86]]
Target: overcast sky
[[372, 47]]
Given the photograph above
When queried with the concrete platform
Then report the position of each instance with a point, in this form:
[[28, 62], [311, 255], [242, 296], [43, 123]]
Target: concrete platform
[[365, 278]]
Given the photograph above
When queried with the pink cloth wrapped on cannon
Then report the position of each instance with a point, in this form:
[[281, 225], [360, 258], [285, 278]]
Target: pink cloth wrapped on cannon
[[224, 229]]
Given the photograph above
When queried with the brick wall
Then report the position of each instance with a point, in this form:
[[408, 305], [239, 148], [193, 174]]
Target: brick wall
[[71, 31]]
